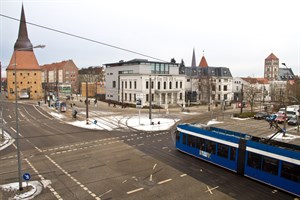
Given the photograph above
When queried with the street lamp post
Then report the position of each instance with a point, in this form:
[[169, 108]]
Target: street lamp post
[[285, 106], [17, 113]]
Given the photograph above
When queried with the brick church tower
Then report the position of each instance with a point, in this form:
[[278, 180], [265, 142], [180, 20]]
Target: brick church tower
[[23, 68]]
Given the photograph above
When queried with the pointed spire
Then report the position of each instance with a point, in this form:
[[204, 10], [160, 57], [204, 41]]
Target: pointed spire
[[193, 59], [23, 41], [203, 62]]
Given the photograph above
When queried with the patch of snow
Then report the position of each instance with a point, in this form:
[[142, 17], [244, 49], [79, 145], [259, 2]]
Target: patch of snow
[[57, 115], [287, 137], [213, 121], [36, 188]]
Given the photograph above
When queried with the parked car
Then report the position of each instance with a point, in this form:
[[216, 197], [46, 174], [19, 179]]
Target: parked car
[[261, 115], [280, 118], [293, 121]]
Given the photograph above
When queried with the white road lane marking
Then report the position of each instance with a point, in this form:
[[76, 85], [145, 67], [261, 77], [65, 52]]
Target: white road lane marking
[[42, 178], [165, 181], [210, 189], [77, 182], [133, 191]]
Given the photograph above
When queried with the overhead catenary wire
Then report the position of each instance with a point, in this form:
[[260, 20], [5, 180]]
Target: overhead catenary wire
[[83, 38]]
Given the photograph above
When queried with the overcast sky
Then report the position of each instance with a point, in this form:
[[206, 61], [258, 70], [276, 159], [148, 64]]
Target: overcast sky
[[233, 33]]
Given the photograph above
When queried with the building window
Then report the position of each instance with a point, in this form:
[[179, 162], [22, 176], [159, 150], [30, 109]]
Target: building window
[[225, 96], [147, 97], [180, 96], [147, 84], [130, 96], [170, 85], [125, 96], [176, 84], [152, 84], [180, 84], [125, 84], [158, 85], [165, 85], [134, 84], [225, 88], [114, 84]]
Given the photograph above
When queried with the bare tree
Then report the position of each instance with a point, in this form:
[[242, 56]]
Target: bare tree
[[251, 94]]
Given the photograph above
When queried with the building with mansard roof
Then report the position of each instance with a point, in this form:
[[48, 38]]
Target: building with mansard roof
[[208, 85], [23, 69]]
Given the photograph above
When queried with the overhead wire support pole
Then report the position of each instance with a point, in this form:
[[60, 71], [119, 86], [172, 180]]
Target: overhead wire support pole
[[150, 100], [17, 113]]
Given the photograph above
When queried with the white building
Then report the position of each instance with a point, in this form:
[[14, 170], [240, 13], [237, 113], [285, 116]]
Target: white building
[[128, 81], [260, 87]]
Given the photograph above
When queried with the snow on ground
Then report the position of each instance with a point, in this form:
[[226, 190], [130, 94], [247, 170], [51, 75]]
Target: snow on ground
[[114, 122], [287, 137], [36, 188], [57, 115], [143, 123], [213, 121]]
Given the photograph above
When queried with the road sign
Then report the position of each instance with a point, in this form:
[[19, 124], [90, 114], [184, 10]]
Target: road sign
[[139, 103], [26, 176]]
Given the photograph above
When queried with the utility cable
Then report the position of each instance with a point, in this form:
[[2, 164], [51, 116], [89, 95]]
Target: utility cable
[[83, 38]]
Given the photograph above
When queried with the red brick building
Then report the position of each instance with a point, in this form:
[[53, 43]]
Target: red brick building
[[60, 73]]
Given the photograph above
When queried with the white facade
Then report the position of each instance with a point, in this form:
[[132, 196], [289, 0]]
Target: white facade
[[262, 88], [127, 81]]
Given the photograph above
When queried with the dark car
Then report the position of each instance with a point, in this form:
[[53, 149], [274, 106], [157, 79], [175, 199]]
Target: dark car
[[261, 115], [293, 121]]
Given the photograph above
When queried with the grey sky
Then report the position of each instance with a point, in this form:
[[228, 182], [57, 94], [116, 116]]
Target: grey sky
[[233, 33]]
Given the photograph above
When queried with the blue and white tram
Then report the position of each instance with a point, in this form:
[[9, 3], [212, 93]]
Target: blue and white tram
[[275, 163]]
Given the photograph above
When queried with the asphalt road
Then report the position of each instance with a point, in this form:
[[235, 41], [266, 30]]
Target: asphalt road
[[127, 164]]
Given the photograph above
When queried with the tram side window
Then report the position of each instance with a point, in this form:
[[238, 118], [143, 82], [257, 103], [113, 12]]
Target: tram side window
[[183, 138], [232, 153], [200, 144], [270, 165], [177, 136], [192, 140], [223, 150], [290, 171], [210, 147], [254, 160]]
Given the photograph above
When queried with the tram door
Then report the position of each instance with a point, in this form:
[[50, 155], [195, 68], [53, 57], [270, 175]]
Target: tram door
[[241, 157]]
